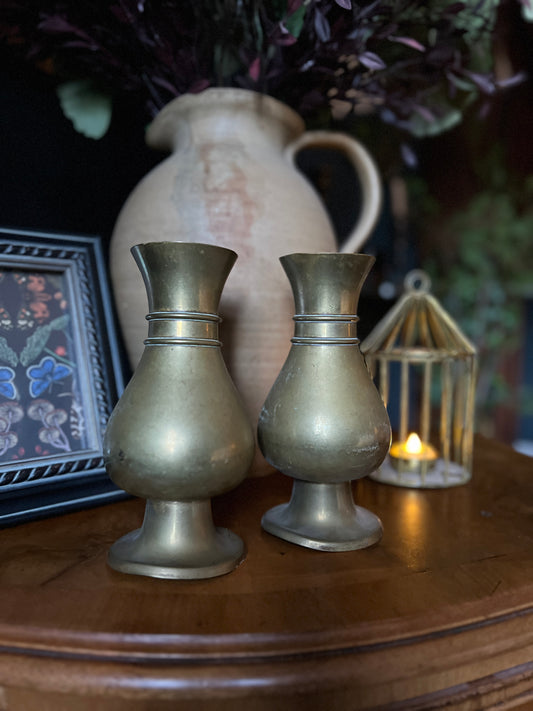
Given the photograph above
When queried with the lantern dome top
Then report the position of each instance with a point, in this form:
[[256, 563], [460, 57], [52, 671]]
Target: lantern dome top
[[418, 326]]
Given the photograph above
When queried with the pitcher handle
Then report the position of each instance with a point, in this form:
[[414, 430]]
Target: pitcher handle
[[367, 174]]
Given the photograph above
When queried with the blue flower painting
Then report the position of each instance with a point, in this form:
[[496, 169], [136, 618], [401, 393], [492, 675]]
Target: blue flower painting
[[42, 376], [41, 410], [7, 386]]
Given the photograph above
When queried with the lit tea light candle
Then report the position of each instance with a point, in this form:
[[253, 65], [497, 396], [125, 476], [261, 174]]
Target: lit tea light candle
[[413, 454]]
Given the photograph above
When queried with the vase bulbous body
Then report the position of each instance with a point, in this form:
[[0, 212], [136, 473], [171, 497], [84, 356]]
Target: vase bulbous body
[[324, 423], [231, 180], [179, 434]]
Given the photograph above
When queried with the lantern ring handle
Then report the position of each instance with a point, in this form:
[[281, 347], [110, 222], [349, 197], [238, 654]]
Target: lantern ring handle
[[417, 280]]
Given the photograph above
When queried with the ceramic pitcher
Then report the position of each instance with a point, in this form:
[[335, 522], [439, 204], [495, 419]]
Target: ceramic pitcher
[[231, 180]]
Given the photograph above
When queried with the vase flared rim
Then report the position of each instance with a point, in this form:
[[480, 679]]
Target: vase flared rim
[[252, 102], [329, 256], [179, 245]]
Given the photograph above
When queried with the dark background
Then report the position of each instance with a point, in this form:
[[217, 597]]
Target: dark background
[[56, 180], [53, 178]]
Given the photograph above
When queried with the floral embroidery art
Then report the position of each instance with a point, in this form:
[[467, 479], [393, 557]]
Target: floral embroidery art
[[40, 402]]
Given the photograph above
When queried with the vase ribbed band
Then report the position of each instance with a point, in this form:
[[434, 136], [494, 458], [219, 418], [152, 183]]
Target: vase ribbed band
[[183, 328], [325, 329]]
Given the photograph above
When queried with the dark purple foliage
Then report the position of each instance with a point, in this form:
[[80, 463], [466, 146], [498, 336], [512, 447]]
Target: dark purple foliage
[[369, 53]]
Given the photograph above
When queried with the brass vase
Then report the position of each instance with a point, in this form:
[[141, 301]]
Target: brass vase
[[179, 434], [324, 423]]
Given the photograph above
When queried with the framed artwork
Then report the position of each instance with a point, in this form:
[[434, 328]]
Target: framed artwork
[[60, 374]]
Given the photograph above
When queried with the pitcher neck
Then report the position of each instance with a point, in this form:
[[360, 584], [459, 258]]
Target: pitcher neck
[[218, 114]]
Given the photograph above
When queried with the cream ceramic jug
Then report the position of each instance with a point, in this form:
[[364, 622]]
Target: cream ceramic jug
[[231, 180]]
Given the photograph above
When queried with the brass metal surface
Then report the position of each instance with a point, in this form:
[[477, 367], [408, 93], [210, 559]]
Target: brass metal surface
[[324, 423], [179, 434], [323, 517], [177, 537]]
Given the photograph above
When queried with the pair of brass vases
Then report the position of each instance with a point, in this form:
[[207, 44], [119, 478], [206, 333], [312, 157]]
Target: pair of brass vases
[[179, 434]]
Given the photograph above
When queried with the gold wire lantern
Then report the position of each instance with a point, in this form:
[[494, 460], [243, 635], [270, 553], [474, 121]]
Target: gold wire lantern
[[426, 371]]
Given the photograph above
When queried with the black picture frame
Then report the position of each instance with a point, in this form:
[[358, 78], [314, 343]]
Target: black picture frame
[[61, 373]]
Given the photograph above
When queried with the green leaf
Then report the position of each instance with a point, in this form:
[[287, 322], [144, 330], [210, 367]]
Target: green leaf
[[60, 323], [86, 106], [422, 128], [36, 343], [226, 61], [527, 11], [7, 354], [295, 22]]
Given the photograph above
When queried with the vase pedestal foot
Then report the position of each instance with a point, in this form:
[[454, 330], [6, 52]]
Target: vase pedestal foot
[[177, 540], [324, 517]]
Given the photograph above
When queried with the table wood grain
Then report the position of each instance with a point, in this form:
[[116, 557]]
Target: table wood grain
[[439, 613]]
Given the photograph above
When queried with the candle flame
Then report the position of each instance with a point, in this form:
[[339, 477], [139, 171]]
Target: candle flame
[[413, 445]]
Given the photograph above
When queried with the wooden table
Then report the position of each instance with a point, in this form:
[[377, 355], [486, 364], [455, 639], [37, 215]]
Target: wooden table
[[440, 613]]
